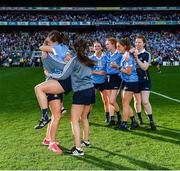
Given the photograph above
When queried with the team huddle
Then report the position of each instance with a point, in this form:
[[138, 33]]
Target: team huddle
[[120, 70]]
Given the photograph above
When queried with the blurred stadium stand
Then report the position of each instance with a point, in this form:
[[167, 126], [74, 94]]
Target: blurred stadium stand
[[25, 26]]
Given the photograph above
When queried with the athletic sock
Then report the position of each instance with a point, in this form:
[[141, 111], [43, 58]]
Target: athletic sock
[[133, 120], [112, 118], [107, 116], [118, 117], [79, 149], [150, 117], [139, 115], [45, 114]]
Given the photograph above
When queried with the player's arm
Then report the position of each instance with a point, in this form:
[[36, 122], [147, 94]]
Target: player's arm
[[68, 57], [67, 71], [46, 48], [43, 55], [114, 65], [98, 72], [127, 70], [144, 65]]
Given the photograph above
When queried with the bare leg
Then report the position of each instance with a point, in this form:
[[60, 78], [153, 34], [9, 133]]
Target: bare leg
[[55, 106], [105, 100], [85, 122], [76, 112], [148, 108], [113, 101], [137, 105], [49, 86], [127, 96], [145, 102]]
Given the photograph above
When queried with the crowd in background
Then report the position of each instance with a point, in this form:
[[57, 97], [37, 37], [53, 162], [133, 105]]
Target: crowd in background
[[88, 16], [16, 48]]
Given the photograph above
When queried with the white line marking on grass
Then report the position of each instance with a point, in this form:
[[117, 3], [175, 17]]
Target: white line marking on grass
[[167, 97]]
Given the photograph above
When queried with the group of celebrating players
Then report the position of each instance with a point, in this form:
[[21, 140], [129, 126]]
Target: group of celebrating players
[[120, 69]]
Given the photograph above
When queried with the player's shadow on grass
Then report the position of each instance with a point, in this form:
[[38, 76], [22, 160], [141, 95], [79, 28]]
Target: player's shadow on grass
[[153, 134], [101, 163], [177, 130], [108, 165], [157, 135], [97, 124], [140, 163], [167, 133]]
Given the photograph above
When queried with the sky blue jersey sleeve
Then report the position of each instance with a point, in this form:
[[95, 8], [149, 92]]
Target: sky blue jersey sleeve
[[67, 71]]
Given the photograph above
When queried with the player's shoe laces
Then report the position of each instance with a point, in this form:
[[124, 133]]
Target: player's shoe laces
[[42, 123], [85, 144], [75, 152], [153, 126], [54, 147], [134, 125]]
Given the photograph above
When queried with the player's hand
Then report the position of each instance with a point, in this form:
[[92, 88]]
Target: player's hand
[[45, 43], [126, 56], [101, 72], [45, 72], [43, 55], [135, 54], [132, 50], [114, 65], [67, 58]]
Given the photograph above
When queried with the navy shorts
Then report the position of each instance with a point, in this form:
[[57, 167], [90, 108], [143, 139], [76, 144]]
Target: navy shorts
[[84, 97], [100, 87], [130, 86], [113, 81], [144, 86], [66, 84], [51, 97]]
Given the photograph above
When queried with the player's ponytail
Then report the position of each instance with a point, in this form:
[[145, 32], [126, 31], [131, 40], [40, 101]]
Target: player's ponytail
[[80, 47]]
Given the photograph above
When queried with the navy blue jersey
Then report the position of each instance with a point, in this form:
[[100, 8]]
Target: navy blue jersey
[[143, 75]]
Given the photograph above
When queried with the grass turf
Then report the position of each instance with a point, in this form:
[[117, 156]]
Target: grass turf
[[138, 149]]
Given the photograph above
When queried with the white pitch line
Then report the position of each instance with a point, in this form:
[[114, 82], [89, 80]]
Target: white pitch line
[[167, 97]]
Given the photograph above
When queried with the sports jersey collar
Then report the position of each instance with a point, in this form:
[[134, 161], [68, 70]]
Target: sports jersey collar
[[126, 53], [100, 56], [141, 51], [113, 53]]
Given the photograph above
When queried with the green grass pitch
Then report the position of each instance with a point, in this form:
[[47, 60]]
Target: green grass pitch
[[21, 145]]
